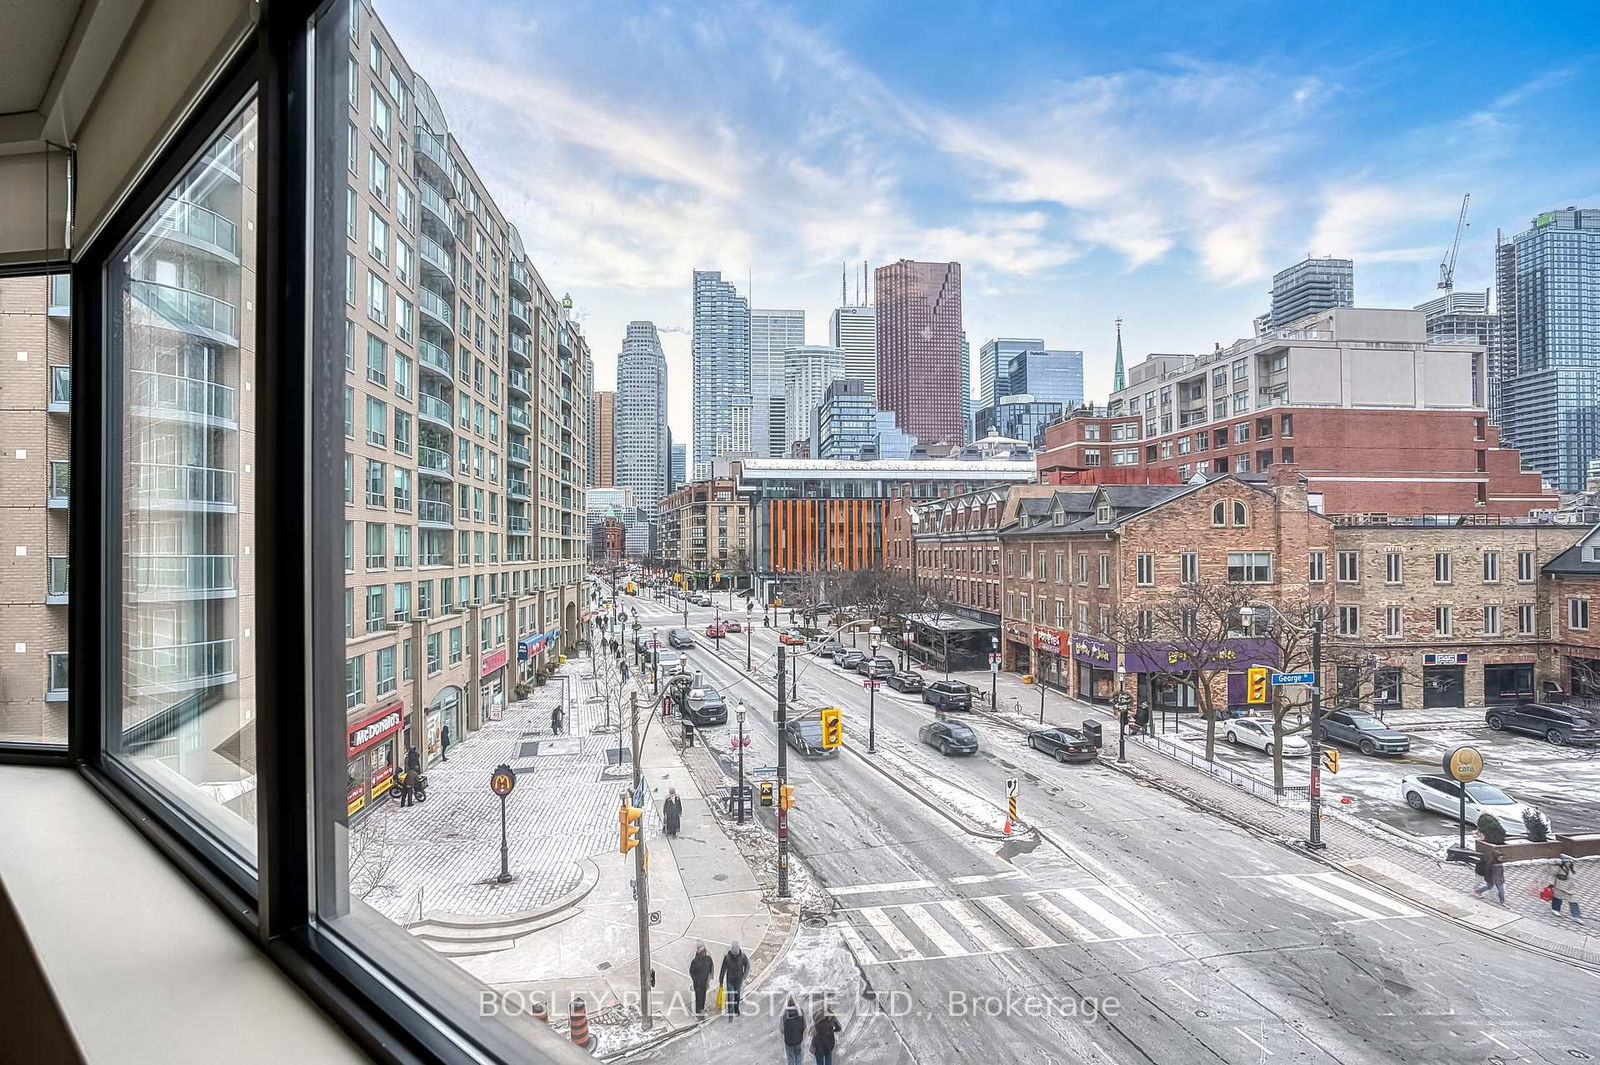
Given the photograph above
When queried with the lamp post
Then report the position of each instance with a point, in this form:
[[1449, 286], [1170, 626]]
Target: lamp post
[[994, 669], [874, 641], [1314, 842], [739, 713], [655, 662], [749, 617]]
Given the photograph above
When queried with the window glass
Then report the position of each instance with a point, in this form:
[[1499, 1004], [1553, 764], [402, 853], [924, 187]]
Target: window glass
[[180, 333]]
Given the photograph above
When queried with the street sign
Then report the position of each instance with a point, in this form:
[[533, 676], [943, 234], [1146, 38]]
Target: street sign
[[1011, 786], [503, 780], [994, 663], [1293, 678], [873, 684], [1122, 701], [762, 771]]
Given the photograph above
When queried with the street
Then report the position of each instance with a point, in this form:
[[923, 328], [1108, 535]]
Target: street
[[1132, 927]]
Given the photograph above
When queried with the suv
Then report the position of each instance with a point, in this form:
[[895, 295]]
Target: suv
[[1557, 724], [680, 638], [706, 706], [829, 648], [848, 659], [1363, 732], [947, 695], [875, 668]]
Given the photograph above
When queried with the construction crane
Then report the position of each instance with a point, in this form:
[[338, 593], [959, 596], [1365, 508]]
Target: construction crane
[[1447, 269]]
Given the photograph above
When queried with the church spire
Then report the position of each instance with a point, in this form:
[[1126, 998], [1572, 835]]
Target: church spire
[[1119, 379]]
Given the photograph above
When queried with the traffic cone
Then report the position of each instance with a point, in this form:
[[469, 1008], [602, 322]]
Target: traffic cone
[[1008, 826]]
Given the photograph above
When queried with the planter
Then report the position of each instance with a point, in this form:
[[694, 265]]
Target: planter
[[1581, 846]]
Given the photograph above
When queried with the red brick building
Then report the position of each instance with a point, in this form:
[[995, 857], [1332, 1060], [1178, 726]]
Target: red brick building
[[1572, 584]]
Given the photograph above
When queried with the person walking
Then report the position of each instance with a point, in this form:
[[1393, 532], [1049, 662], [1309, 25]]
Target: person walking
[[825, 1028], [672, 813], [793, 1027], [700, 977], [404, 780], [444, 743], [735, 966], [555, 721], [1564, 886], [1493, 872]]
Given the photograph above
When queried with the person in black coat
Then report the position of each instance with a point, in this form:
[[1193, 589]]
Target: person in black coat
[[408, 781], [824, 1032], [700, 977], [735, 967], [793, 1027], [672, 813], [444, 742]]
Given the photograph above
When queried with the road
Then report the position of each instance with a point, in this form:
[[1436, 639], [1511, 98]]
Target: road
[[1196, 941]]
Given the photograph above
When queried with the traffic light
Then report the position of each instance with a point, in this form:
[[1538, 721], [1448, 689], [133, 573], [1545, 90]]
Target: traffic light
[[832, 727], [786, 797], [628, 819], [1330, 759], [1255, 684]]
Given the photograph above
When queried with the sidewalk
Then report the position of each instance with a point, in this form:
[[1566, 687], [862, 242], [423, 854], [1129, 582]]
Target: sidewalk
[[1399, 865]]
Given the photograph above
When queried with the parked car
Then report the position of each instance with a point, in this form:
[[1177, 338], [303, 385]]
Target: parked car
[[1557, 724], [848, 658], [715, 631], [1252, 732], [792, 638], [804, 734], [875, 668], [668, 661], [701, 600], [1443, 795], [947, 695], [1363, 732], [1063, 744], [909, 681], [828, 648], [733, 625], [642, 642], [950, 737], [680, 638], [706, 706]]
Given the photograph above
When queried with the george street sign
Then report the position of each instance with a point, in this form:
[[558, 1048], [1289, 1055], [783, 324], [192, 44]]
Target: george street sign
[[1294, 678], [873, 684]]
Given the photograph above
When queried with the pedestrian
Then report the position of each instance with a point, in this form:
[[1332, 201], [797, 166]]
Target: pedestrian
[[735, 966], [825, 1028], [555, 721], [404, 780], [794, 1033], [444, 743], [672, 813], [413, 764], [1564, 886], [700, 977], [1493, 872]]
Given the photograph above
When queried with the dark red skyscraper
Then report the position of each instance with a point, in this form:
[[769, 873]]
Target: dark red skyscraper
[[919, 348]]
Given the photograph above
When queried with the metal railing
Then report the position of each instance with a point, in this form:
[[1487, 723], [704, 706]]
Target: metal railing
[[434, 254], [1195, 758], [430, 406], [186, 484], [201, 224], [518, 379], [186, 307], [519, 453], [435, 512], [56, 579], [435, 358], [178, 394], [432, 459], [519, 312], [434, 202], [435, 306], [60, 485], [520, 347], [169, 574], [60, 388], [432, 149], [182, 664], [519, 417]]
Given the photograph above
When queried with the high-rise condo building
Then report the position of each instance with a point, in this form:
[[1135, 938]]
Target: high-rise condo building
[[1549, 405], [1310, 287], [919, 348], [808, 372], [720, 351], [602, 440], [854, 331], [771, 334], [1465, 317], [640, 420], [678, 467]]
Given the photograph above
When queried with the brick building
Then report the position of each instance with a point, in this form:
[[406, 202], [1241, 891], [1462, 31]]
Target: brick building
[[1378, 418], [704, 527], [1571, 589]]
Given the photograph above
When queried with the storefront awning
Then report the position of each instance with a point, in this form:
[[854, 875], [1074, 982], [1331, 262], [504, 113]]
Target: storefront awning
[[947, 623]]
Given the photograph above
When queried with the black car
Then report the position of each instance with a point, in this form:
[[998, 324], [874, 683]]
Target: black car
[[706, 706], [947, 695], [1557, 724], [1064, 745], [680, 638], [905, 682], [1363, 732], [829, 648], [875, 668], [804, 734], [848, 659], [950, 737]]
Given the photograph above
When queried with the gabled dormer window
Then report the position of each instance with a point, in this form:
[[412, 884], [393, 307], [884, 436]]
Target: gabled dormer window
[[1102, 513]]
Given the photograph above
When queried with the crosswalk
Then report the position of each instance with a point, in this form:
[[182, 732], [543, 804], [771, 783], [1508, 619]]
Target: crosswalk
[[993, 924], [1337, 895]]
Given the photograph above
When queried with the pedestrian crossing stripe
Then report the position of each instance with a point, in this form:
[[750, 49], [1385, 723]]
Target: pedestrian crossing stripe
[[1343, 895], [993, 924]]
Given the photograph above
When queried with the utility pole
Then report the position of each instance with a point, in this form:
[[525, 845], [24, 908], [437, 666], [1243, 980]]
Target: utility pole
[[783, 776], [1315, 840], [641, 877]]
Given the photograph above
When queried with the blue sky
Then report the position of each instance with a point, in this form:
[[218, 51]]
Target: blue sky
[[1145, 160]]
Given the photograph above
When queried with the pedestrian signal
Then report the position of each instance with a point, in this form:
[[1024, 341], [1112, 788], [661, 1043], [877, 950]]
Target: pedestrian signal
[[1255, 684], [1330, 759], [832, 728], [628, 819], [766, 792]]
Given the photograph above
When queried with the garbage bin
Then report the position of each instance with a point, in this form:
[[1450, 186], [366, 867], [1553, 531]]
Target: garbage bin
[[1091, 732]]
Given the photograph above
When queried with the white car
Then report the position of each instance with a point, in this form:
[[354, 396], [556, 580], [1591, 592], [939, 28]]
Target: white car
[[670, 662], [1258, 734], [1443, 795]]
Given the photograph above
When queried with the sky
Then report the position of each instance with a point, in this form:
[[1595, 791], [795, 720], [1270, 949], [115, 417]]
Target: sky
[[1156, 162]]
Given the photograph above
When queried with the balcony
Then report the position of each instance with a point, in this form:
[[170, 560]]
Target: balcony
[[189, 311], [199, 227], [519, 315], [519, 526], [519, 418], [432, 155], [520, 347], [185, 487], [517, 488], [57, 679], [436, 258], [435, 359], [167, 395], [175, 577], [564, 349], [56, 584], [182, 666], [518, 454], [223, 158], [437, 206], [435, 308], [518, 276], [60, 390], [435, 514], [434, 462], [435, 409], [517, 381], [59, 492], [60, 305]]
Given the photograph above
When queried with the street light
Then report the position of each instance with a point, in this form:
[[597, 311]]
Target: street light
[[994, 669], [739, 713], [655, 662], [874, 641], [749, 618], [1248, 613]]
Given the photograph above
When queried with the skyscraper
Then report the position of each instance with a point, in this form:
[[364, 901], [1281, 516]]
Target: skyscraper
[[994, 362], [602, 440], [1309, 287], [854, 330], [1503, 358], [919, 348], [720, 352], [771, 334], [1050, 376], [641, 416], [678, 466], [1549, 406], [1466, 316], [966, 390], [808, 371]]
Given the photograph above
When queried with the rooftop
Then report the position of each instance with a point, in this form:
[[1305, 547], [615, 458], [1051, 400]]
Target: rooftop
[[892, 469]]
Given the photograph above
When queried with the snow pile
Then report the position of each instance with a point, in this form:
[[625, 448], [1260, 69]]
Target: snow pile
[[760, 850]]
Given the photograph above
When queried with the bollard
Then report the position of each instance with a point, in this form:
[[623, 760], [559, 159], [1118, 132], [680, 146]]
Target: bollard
[[539, 1012], [578, 1023]]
